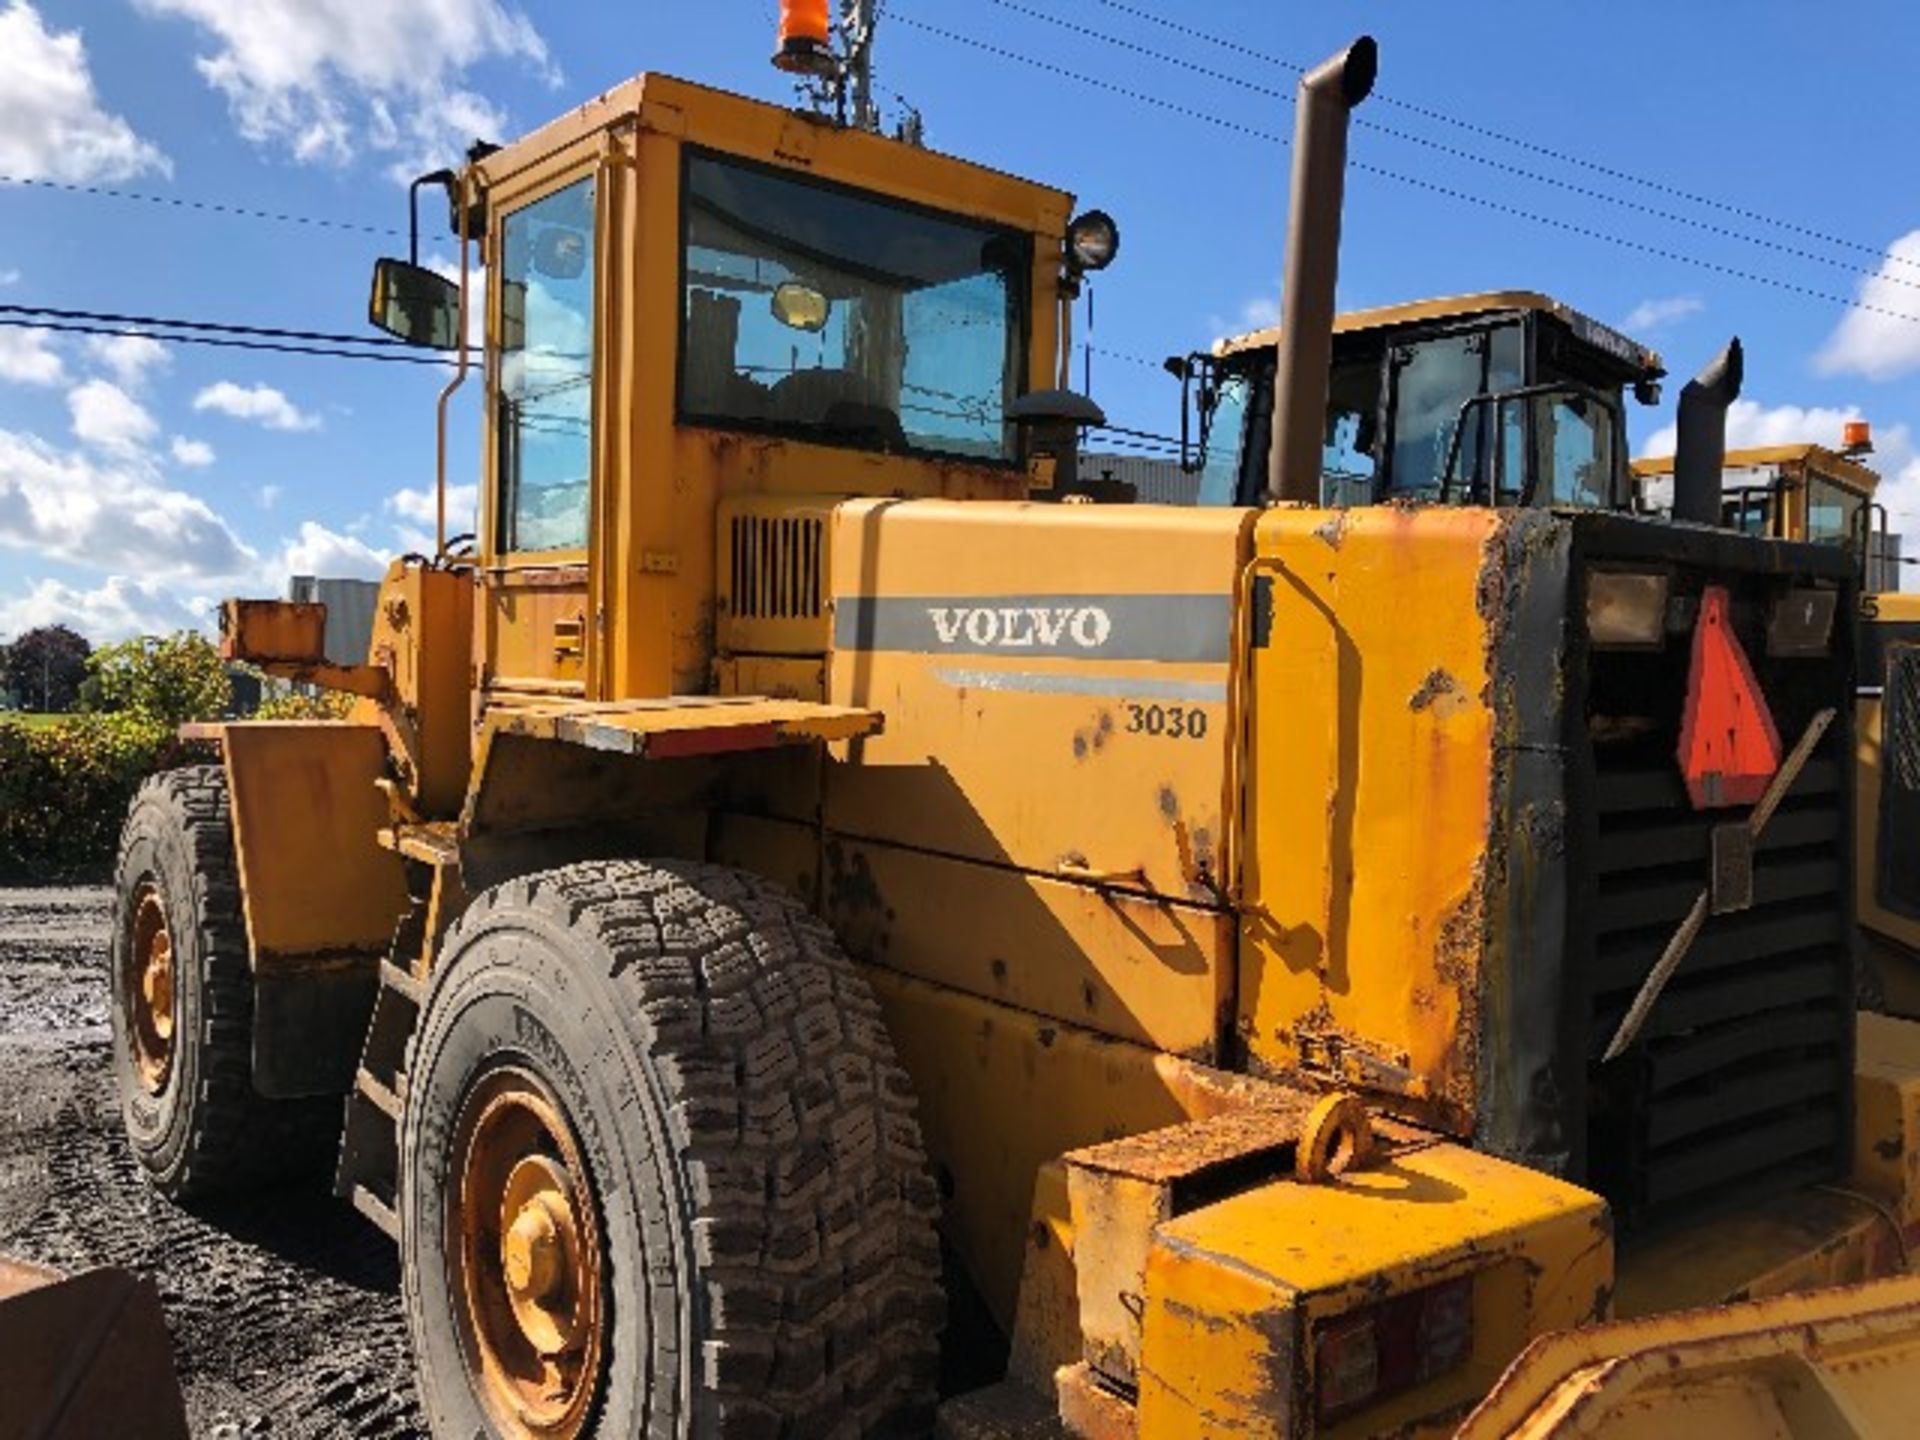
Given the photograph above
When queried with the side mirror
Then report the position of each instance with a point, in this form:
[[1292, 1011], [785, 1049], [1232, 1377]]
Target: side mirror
[[416, 305]]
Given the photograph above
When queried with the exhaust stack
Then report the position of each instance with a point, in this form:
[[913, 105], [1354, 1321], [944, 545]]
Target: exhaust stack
[[1326, 99], [1700, 453]]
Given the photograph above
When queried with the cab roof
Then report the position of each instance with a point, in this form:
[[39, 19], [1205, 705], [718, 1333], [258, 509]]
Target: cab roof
[[1830, 463], [790, 139], [1463, 307]]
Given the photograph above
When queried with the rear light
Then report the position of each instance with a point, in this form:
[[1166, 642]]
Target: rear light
[[1801, 622], [1376, 1352], [1346, 1364], [1445, 1336], [1624, 608]]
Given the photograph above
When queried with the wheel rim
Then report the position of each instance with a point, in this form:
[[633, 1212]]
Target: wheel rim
[[148, 985], [524, 1254]]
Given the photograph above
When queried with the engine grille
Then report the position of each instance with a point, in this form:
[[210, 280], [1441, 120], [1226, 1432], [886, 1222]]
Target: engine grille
[[1898, 881], [775, 567], [1741, 1082]]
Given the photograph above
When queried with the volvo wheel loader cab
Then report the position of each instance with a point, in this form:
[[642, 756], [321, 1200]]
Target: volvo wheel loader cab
[[1827, 496], [1508, 398], [787, 886]]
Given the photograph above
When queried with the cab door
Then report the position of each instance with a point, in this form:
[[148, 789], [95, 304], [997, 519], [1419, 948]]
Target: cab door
[[546, 396]]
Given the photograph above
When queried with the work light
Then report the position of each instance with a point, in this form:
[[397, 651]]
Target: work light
[[1093, 240]]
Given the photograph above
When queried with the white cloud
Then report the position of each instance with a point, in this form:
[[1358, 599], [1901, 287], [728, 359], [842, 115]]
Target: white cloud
[[27, 357], [1654, 314], [119, 607], [105, 415], [260, 403], [52, 126], [268, 496], [415, 515], [324, 78], [111, 513], [9, 277], [1751, 425], [422, 506], [129, 357], [1876, 338], [195, 453], [316, 550]]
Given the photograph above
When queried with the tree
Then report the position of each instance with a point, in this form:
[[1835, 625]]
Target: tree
[[170, 679], [45, 666]]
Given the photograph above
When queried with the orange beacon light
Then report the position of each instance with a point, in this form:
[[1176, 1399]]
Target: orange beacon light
[[805, 38]]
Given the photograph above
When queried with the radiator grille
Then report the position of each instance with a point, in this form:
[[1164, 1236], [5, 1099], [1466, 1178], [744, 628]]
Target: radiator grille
[[1901, 703], [1740, 1084], [775, 567], [1897, 882]]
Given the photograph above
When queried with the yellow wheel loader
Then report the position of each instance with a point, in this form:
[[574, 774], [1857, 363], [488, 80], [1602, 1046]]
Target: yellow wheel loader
[[1826, 496], [817, 936]]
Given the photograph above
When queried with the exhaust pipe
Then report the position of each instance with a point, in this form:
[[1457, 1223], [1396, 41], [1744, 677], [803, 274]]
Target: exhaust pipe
[[1700, 453], [1326, 98]]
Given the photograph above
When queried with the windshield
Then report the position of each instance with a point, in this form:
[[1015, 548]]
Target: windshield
[[835, 314]]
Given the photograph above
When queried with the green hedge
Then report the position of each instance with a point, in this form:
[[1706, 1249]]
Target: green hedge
[[64, 790]]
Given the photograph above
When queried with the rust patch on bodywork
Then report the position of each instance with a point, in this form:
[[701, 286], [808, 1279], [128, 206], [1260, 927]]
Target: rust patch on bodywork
[[1439, 686]]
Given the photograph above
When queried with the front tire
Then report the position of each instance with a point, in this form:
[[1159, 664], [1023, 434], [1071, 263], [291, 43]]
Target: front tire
[[181, 1004], [660, 1173]]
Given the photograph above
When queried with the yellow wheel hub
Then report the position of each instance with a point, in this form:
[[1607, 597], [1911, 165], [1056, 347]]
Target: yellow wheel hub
[[149, 989], [525, 1258]]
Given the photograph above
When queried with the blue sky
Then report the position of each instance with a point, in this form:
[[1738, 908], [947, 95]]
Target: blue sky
[[139, 483]]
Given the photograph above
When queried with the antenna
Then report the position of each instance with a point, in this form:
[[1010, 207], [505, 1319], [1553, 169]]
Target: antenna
[[857, 23]]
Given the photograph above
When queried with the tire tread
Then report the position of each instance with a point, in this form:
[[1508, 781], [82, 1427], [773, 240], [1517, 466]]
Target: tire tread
[[811, 1210], [237, 1139]]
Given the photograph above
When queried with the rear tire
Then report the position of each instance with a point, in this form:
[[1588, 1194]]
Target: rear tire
[[183, 1039], [754, 1216]]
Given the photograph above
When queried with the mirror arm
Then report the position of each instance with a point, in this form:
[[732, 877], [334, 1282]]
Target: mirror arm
[[432, 177]]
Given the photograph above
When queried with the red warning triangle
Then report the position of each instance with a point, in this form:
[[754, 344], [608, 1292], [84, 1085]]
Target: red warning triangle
[[1729, 748]]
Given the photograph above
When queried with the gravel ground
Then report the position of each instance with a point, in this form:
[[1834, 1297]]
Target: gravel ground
[[283, 1308]]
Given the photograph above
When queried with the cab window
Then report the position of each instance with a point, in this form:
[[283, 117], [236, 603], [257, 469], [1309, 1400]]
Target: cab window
[[1432, 382], [1748, 494], [1347, 466], [1221, 452], [544, 401], [841, 316], [1575, 437], [1833, 514]]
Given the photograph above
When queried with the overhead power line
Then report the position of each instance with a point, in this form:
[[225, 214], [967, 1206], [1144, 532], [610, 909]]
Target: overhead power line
[[1128, 356], [1519, 172], [1546, 152], [218, 327], [225, 342], [1434, 187], [219, 334], [211, 207]]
